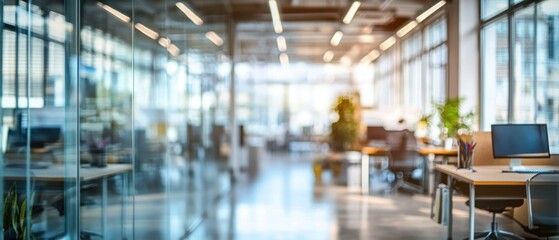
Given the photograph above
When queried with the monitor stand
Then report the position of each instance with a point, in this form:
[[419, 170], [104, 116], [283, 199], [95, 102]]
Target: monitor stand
[[516, 164]]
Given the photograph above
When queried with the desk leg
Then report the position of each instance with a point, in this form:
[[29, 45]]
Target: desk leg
[[365, 173], [449, 216], [104, 208], [428, 179], [472, 209], [124, 197]]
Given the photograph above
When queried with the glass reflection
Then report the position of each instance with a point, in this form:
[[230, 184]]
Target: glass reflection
[[111, 112]]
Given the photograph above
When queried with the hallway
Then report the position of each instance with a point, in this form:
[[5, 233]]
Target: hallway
[[281, 201]]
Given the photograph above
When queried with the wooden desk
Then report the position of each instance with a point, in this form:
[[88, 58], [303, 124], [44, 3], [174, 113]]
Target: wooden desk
[[375, 151], [56, 174], [430, 153], [437, 151], [484, 176]]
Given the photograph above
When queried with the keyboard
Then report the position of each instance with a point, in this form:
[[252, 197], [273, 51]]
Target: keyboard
[[532, 171]]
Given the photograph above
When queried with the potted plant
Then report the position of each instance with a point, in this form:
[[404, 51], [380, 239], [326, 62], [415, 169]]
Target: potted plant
[[343, 132], [451, 119], [15, 217]]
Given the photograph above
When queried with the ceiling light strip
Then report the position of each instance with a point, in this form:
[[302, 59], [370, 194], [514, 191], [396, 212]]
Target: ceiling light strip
[[336, 38], [214, 38], [351, 12], [114, 12], [275, 16], [345, 60], [173, 50], [282, 45], [189, 14], [147, 31], [328, 55], [387, 43], [165, 42], [284, 59], [406, 29], [373, 55], [430, 11]]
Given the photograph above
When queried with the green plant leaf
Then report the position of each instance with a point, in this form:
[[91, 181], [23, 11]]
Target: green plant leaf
[[15, 213], [23, 215], [8, 203]]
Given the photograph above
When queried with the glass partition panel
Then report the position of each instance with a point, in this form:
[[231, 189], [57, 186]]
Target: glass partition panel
[[114, 119], [105, 109]]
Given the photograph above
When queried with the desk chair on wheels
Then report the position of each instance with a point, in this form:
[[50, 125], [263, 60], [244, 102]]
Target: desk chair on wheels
[[403, 160], [483, 155], [542, 192], [495, 206]]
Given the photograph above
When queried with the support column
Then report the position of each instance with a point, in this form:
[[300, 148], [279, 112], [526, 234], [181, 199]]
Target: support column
[[234, 153], [463, 53]]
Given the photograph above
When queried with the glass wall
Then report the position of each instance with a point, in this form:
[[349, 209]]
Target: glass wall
[[520, 65], [113, 117], [412, 74]]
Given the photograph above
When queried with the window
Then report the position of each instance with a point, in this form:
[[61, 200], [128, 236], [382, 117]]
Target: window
[[495, 73], [490, 8], [524, 88]]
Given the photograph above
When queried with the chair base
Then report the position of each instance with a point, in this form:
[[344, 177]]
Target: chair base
[[495, 233]]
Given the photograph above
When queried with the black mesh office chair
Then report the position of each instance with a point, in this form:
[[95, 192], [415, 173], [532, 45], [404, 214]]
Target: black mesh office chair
[[542, 192], [403, 160]]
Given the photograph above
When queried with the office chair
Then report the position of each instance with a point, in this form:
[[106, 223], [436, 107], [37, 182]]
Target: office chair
[[495, 206], [403, 160], [542, 192], [483, 155]]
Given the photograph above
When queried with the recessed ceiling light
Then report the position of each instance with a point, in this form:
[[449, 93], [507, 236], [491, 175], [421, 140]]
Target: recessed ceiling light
[[147, 31], [387, 43], [173, 50], [336, 38], [114, 12], [214, 38], [276, 20], [351, 12], [370, 57], [328, 55], [189, 14], [282, 45], [406, 29], [430, 11], [164, 42], [284, 59]]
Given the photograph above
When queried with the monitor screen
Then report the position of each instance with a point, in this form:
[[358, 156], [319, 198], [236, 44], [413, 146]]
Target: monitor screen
[[520, 141]]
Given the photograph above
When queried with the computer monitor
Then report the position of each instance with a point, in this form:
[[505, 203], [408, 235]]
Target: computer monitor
[[516, 141]]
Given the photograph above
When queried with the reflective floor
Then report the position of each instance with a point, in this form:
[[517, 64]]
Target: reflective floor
[[282, 201]]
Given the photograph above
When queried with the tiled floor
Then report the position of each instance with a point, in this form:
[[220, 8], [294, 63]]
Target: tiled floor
[[282, 201]]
